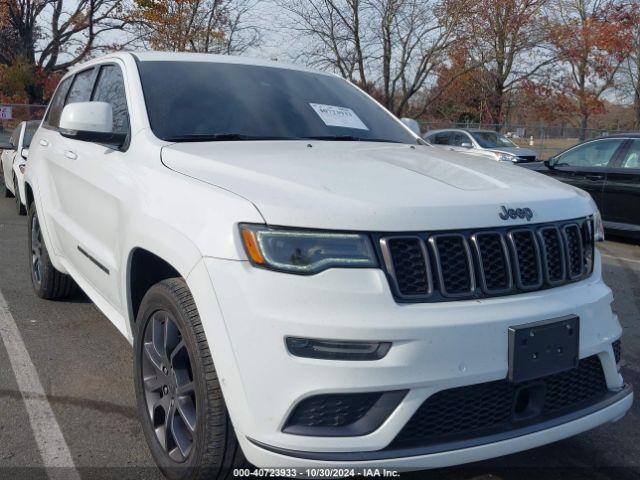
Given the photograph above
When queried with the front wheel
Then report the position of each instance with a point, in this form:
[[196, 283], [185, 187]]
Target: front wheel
[[180, 404], [47, 282]]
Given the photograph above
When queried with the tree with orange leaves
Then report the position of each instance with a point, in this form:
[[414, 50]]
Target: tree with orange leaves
[[207, 26], [592, 39]]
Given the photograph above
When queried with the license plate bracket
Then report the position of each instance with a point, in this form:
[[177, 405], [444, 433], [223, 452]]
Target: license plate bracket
[[543, 348]]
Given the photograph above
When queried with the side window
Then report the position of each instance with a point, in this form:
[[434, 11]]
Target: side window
[[57, 103], [81, 89], [442, 138], [457, 139], [593, 154], [632, 158], [110, 89]]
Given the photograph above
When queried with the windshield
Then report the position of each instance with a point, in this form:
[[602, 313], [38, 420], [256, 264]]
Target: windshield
[[207, 101], [29, 132], [492, 140]]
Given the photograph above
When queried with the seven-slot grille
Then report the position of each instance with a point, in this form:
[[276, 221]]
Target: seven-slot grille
[[425, 267]]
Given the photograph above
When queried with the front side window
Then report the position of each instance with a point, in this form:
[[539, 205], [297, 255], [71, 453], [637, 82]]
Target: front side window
[[81, 89], [110, 89], [459, 139], [593, 154], [442, 138], [632, 157], [200, 101], [492, 140], [57, 103]]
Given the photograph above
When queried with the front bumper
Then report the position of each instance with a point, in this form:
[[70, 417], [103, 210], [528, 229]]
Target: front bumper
[[436, 346]]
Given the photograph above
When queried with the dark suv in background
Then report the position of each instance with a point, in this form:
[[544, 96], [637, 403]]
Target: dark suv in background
[[609, 169]]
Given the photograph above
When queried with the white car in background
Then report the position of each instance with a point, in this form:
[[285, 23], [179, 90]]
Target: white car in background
[[14, 160], [486, 143]]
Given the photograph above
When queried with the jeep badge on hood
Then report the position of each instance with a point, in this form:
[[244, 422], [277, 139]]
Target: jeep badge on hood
[[513, 213]]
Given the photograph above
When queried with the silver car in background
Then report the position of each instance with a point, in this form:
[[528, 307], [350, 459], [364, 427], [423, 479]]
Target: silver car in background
[[487, 143]]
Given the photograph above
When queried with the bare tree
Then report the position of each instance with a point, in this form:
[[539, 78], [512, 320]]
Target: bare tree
[[207, 26], [54, 35], [391, 48]]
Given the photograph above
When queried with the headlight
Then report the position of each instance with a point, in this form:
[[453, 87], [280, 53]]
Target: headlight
[[598, 227], [505, 157], [306, 251]]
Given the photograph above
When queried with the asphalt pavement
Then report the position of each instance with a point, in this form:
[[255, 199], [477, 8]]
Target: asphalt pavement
[[78, 366]]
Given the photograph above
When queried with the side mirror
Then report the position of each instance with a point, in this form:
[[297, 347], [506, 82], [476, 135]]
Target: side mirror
[[466, 145], [550, 162], [7, 146], [24, 153], [90, 122], [412, 125]]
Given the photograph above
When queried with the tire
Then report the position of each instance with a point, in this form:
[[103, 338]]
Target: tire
[[48, 283], [19, 206], [165, 390]]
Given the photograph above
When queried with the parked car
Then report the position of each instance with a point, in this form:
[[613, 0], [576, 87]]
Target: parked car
[[609, 169], [305, 283], [14, 160], [487, 143]]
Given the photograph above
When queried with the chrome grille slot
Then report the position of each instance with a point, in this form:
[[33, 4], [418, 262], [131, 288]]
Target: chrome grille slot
[[454, 265], [407, 261], [493, 259], [575, 254], [526, 259], [553, 259]]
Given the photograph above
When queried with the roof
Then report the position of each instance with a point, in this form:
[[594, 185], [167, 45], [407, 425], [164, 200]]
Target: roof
[[619, 135], [457, 129], [150, 56]]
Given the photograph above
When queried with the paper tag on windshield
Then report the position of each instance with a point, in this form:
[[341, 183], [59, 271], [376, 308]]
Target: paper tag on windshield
[[334, 116]]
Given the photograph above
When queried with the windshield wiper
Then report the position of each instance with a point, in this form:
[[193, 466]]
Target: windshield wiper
[[221, 137], [349, 138]]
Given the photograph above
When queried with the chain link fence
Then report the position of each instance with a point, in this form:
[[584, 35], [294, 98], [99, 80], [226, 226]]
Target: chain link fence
[[12, 114], [547, 140]]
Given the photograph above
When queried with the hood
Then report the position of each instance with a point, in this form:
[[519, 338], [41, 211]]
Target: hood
[[373, 186]]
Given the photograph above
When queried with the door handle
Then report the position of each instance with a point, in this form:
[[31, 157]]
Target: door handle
[[595, 178], [44, 143], [70, 155]]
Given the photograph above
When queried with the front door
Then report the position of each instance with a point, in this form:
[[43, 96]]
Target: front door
[[585, 166], [621, 196]]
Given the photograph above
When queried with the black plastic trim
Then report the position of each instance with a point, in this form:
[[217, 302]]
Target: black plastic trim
[[371, 421], [93, 260], [612, 398]]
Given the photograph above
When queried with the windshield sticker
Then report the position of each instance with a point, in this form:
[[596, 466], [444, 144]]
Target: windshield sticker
[[334, 116]]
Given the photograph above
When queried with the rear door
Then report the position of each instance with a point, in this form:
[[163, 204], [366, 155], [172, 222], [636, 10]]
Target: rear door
[[47, 149], [621, 196], [586, 166]]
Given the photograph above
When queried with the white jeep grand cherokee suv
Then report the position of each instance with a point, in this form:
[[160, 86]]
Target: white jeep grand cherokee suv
[[305, 283]]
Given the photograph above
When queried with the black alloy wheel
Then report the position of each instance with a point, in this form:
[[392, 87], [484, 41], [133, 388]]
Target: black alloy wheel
[[169, 387], [37, 266], [180, 403]]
